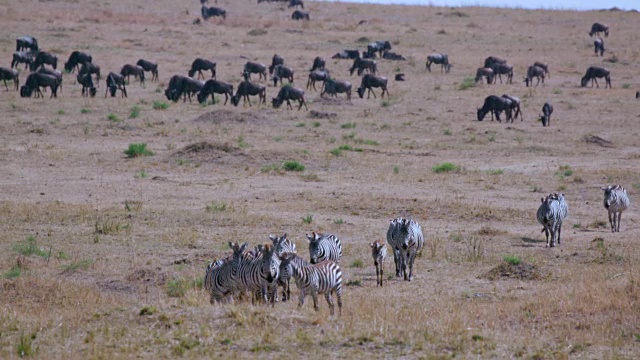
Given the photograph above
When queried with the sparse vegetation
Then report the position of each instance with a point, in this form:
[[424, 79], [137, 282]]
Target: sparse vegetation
[[216, 207], [292, 166], [445, 167], [137, 150], [135, 112], [307, 219], [30, 247], [467, 83], [160, 105], [511, 259]]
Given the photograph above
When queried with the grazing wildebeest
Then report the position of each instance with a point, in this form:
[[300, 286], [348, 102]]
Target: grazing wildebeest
[[363, 64], [502, 68], [26, 42], [317, 75], [252, 67], [247, 88], [368, 55], [76, 59], [288, 93], [282, 72], [182, 85], [10, 74], [347, 54], [534, 71], [491, 60], [495, 104], [544, 67], [42, 58], [393, 56], [200, 64], [37, 80], [88, 89], [114, 82], [333, 87], [594, 72], [598, 46], [294, 3], [149, 66], [370, 81], [171, 92], [90, 68], [318, 64], [597, 28], [442, 59], [300, 15], [52, 72], [399, 77], [22, 57], [378, 47], [275, 61], [515, 106], [547, 109], [135, 70], [212, 87], [484, 72], [208, 12], [637, 94]]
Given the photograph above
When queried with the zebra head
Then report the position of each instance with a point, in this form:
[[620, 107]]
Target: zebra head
[[270, 263], [316, 252]]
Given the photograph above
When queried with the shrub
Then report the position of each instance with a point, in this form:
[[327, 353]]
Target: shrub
[[292, 166], [467, 83], [160, 105], [177, 287], [29, 247], [512, 259], [148, 310], [357, 263], [216, 207], [307, 219], [113, 118], [13, 273], [348, 125], [85, 111], [139, 149], [135, 112], [445, 167]]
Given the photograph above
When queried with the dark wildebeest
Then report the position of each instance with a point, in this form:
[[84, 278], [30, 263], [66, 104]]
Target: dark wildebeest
[[333, 87], [37, 80], [208, 12], [597, 28], [282, 72], [368, 55], [484, 72], [378, 47], [88, 89], [502, 68], [544, 67], [515, 106], [52, 72], [534, 71], [252, 67], [135, 70], [300, 15], [317, 75], [637, 94], [547, 109], [212, 87], [182, 85], [363, 64], [171, 92], [294, 3], [491, 60], [288, 93], [42, 58], [370, 81], [76, 59], [200, 64], [594, 72], [347, 54], [22, 57], [26, 42], [393, 56], [114, 82], [10, 74], [495, 104], [149, 66], [442, 59], [90, 68], [318, 64], [247, 88], [275, 61], [598, 46]]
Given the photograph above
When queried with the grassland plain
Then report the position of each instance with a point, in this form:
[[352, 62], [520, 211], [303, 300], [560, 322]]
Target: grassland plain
[[102, 256]]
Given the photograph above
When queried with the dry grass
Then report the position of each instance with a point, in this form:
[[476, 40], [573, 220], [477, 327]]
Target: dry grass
[[127, 240]]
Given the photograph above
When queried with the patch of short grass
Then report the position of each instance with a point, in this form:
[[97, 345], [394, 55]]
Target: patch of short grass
[[138, 149], [216, 207], [13, 273], [148, 310], [357, 264], [495, 172], [467, 83], [160, 105], [30, 247], [135, 112], [177, 287], [292, 166], [445, 167], [350, 125], [307, 219], [85, 111], [77, 266], [512, 259], [113, 118]]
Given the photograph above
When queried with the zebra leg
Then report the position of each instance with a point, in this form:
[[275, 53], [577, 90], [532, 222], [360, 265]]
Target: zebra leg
[[616, 220], [559, 231], [314, 295], [611, 222], [301, 298], [381, 272], [396, 259], [332, 307], [411, 258]]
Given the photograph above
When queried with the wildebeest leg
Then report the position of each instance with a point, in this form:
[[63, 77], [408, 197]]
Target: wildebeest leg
[[289, 105], [302, 102], [608, 82], [596, 81], [385, 90], [5, 84], [246, 98]]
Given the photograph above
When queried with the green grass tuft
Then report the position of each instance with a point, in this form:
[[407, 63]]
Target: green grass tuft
[[292, 166], [138, 149], [512, 259], [160, 105], [30, 247], [467, 83], [445, 167]]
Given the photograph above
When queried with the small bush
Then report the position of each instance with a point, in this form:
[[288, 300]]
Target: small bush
[[30, 247], [351, 125], [564, 171], [292, 166], [160, 105], [335, 152], [135, 112], [316, 124], [257, 32], [148, 310], [141, 174], [25, 348], [354, 283], [338, 221], [13, 273], [357, 264], [511, 259], [136, 150], [113, 118], [446, 131], [216, 207], [79, 265], [467, 83], [445, 167], [307, 219], [85, 111], [495, 172], [177, 287], [301, 124], [396, 169], [363, 40], [385, 103]]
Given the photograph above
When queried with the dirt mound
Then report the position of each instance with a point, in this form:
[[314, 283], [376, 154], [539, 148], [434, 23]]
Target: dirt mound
[[228, 116], [521, 271], [205, 146], [593, 139]]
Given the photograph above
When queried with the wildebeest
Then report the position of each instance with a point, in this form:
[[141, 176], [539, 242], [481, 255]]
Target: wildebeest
[[90, 68], [544, 67], [76, 59], [598, 46], [318, 64], [300, 15], [317, 75], [637, 94], [114, 82], [247, 88], [26, 42], [491, 60], [393, 56], [288, 93], [370, 81], [22, 57], [547, 109], [378, 47], [593, 73], [442, 59], [597, 28], [515, 106], [333, 87], [135, 70], [37, 80], [282, 72], [294, 3], [495, 104], [399, 77], [534, 71], [149, 66], [200, 64], [42, 58], [363, 64], [208, 12], [182, 85], [52, 72], [88, 89], [347, 54], [252, 67], [502, 68], [275, 61], [10, 74], [212, 87], [484, 72]]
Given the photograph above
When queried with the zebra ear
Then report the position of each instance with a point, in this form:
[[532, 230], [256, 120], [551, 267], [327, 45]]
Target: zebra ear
[[309, 237], [230, 244], [273, 238], [603, 188]]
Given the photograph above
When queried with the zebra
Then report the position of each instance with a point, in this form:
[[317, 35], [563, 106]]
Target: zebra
[[564, 211], [321, 278], [379, 253], [550, 217], [406, 239], [285, 245], [260, 274], [615, 201], [220, 276], [324, 247]]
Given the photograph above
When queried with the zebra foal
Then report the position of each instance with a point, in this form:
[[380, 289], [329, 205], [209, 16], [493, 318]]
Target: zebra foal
[[379, 254], [406, 239], [324, 247], [615, 201], [284, 277]]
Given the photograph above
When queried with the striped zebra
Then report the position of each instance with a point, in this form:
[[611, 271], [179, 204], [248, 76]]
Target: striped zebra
[[260, 274], [379, 253], [564, 211], [406, 239], [321, 278], [284, 278], [615, 201], [550, 217], [324, 247], [220, 277]]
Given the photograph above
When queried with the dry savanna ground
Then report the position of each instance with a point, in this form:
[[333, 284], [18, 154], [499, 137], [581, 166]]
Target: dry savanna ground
[[103, 256]]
